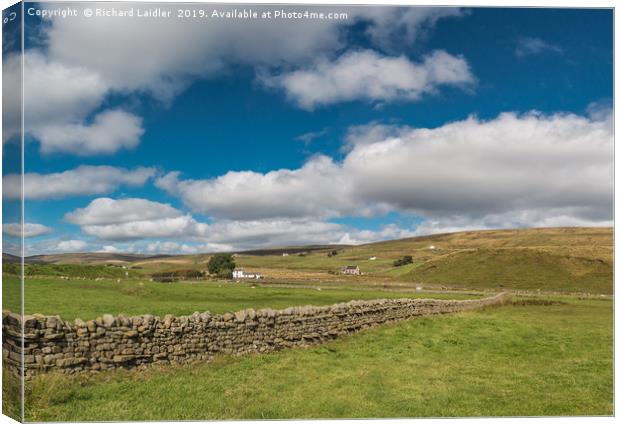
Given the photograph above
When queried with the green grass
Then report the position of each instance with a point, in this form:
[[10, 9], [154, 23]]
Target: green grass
[[316, 261], [546, 259], [69, 270], [11, 395], [87, 299], [513, 360], [525, 269]]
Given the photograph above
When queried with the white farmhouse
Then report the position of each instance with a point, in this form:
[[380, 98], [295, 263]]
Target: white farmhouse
[[351, 270], [239, 273]]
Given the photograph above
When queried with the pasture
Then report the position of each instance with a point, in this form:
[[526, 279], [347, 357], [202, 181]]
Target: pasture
[[88, 299], [522, 360]]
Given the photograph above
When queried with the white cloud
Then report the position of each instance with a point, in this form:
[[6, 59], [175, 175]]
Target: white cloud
[[109, 132], [309, 137], [373, 132], [141, 219], [391, 27], [170, 247], [252, 234], [541, 218], [388, 232], [476, 168], [83, 60], [11, 97], [83, 180], [58, 99], [131, 219], [367, 75], [72, 246], [176, 51], [514, 170], [313, 190], [182, 226], [527, 46], [53, 90], [29, 229], [110, 249], [103, 211]]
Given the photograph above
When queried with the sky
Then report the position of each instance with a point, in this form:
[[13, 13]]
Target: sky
[[200, 135]]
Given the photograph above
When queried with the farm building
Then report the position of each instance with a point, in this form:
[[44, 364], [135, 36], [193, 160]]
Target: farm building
[[372, 258], [239, 273], [351, 270]]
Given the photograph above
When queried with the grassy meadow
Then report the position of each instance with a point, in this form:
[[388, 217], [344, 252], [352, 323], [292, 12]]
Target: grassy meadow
[[88, 299], [522, 359], [515, 360]]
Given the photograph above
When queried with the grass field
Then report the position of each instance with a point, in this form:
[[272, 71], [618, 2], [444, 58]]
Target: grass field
[[513, 360], [88, 299], [520, 269], [520, 359]]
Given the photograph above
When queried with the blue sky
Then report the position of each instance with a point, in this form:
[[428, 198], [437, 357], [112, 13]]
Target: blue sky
[[389, 124]]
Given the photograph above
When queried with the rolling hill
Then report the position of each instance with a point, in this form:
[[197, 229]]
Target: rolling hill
[[546, 259]]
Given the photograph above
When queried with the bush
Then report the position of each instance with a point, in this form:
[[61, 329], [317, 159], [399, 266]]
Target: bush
[[222, 265], [405, 260], [181, 274], [11, 268]]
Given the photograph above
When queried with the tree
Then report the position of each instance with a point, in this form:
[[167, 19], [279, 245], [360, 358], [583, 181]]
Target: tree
[[222, 265], [405, 260]]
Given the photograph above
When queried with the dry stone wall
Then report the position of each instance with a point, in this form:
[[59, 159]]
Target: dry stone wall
[[110, 342]]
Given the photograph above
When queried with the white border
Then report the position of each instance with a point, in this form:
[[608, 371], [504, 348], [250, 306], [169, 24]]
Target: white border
[[465, 3]]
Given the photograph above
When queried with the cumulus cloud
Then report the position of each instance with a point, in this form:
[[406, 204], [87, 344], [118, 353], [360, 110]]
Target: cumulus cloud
[[109, 132], [53, 90], [182, 226], [121, 220], [473, 167], [11, 97], [103, 211], [388, 232], [108, 248], [515, 170], [171, 247], [83, 180], [84, 60], [242, 235], [71, 246], [391, 27], [131, 219], [554, 217], [528, 46], [368, 75], [30, 229], [177, 51], [317, 189], [58, 98]]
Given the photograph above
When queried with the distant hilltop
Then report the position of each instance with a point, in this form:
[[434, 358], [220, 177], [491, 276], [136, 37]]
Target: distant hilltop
[[527, 237]]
